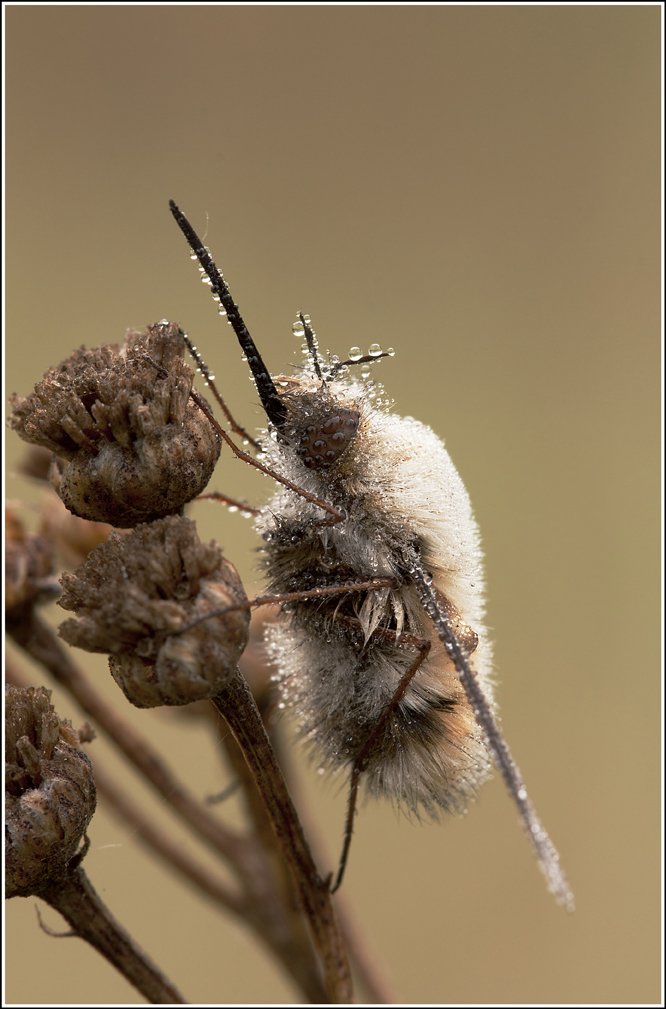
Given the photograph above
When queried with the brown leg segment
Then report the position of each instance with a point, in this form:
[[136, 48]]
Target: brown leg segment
[[422, 645]]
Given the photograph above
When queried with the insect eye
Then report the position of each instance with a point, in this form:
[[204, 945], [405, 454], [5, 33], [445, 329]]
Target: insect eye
[[320, 447]]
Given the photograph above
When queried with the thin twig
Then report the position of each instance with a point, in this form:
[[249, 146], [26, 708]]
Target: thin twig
[[159, 842], [272, 905], [238, 708], [265, 905], [77, 901], [40, 642]]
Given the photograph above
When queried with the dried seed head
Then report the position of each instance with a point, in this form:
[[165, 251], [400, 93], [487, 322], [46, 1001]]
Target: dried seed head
[[133, 596], [28, 564], [129, 444], [49, 792]]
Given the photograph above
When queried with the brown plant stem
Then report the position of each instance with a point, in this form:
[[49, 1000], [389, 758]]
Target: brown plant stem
[[238, 708], [76, 900], [271, 890], [159, 842], [366, 970], [40, 642], [261, 908], [265, 906]]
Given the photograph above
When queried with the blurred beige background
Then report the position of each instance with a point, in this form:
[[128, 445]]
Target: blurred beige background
[[478, 187]]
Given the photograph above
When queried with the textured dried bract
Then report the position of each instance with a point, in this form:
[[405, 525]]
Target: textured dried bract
[[49, 792], [28, 563], [129, 444], [133, 596]]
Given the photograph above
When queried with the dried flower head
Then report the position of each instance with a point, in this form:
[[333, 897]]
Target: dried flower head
[[136, 593], [28, 564], [129, 444], [49, 792]]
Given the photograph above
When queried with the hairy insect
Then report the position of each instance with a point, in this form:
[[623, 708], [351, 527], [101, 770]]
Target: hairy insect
[[371, 547]]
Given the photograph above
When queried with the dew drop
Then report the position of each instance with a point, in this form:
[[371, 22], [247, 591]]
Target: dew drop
[[355, 354], [374, 350], [221, 310], [298, 329], [232, 508], [391, 352], [365, 372]]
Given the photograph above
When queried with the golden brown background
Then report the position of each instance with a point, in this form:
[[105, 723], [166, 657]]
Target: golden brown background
[[478, 187]]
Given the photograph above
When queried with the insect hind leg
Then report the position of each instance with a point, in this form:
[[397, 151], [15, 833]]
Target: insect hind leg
[[422, 646]]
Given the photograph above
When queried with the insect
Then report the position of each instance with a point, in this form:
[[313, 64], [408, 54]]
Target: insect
[[371, 547]]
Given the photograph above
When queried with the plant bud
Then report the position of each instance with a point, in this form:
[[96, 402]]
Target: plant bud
[[49, 792], [134, 596], [129, 445]]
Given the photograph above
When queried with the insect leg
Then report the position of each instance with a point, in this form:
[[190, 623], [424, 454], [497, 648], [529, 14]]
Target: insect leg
[[337, 515], [210, 382], [241, 506], [547, 856], [422, 645], [295, 597]]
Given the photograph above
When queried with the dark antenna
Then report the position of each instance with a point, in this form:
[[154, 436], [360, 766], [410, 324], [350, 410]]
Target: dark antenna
[[365, 359], [271, 402], [311, 342]]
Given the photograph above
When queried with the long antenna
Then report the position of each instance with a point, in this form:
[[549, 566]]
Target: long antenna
[[271, 402]]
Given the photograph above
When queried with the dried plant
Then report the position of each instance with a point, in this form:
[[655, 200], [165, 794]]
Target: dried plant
[[116, 420], [370, 548]]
